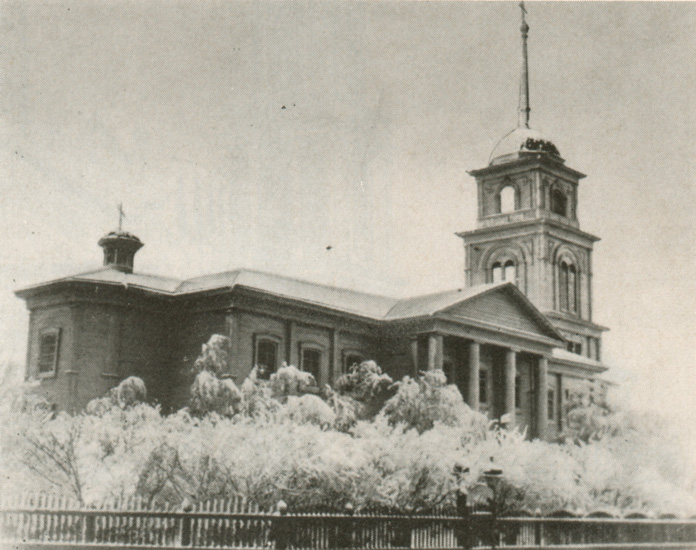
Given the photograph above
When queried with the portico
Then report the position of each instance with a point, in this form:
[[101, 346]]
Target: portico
[[500, 369]]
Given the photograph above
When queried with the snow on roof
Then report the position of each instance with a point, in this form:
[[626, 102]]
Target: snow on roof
[[372, 306], [432, 303], [343, 299]]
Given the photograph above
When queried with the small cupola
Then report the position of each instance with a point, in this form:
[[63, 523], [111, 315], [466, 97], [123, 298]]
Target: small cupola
[[119, 249], [120, 246]]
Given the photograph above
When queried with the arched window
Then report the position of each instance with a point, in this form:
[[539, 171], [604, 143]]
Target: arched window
[[510, 272], [507, 199], [497, 272], [559, 202], [567, 287], [563, 286], [572, 289], [504, 272]]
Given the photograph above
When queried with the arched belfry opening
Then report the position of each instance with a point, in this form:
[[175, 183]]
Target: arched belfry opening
[[508, 200], [559, 202]]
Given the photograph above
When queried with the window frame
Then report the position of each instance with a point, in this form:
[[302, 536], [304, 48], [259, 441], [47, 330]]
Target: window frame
[[555, 195], [263, 338], [502, 268], [510, 263], [497, 273], [54, 332], [573, 346], [316, 347], [515, 199], [568, 286]]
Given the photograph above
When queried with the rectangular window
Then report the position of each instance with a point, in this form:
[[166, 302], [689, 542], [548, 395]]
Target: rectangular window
[[575, 347], [266, 359], [49, 343], [483, 386], [551, 404], [311, 362]]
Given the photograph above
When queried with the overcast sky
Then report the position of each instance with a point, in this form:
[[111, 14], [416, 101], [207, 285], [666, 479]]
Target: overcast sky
[[258, 134]]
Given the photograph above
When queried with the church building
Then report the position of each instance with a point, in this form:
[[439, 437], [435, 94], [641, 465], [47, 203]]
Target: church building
[[518, 339]]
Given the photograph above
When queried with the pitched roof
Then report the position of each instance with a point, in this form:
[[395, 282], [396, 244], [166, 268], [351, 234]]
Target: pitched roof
[[350, 301], [111, 276], [371, 306], [342, 299], [430, 304]]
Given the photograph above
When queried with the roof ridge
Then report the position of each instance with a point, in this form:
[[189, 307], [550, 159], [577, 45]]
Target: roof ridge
[[313, 283], [182, 282]]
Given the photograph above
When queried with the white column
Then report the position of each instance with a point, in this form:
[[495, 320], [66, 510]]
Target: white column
[[542, 411], [510, 375], [435, 351], [474, 369]]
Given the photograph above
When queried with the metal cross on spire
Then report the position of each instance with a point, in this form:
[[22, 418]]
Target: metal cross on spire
[[121, 215], [523, 110]]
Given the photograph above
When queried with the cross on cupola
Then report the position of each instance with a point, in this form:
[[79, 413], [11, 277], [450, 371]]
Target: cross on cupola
[[121, 215]]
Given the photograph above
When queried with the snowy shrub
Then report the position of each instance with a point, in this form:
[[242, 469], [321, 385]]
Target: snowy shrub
[[367, 387], [289, 381], [364, 381], [427, 400], [317, 455], [308, 409], [210, 394], [128, 393], [257, 398], [345, 410], [214, 355]]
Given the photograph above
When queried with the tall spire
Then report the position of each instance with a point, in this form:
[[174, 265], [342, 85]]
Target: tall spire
[[523, 109]]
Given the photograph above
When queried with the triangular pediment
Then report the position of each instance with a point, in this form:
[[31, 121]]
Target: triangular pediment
[[505, 307]]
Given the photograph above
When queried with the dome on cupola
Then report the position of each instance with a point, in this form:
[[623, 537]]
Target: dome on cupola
[[119, 249], [120, 246], [521, 142]]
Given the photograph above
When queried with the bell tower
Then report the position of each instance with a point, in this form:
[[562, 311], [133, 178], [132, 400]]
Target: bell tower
[[528, 230]]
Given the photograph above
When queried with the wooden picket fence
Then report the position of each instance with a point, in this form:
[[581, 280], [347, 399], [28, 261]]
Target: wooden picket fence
[[43, 521]]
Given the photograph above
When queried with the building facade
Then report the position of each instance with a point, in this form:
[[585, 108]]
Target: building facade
[[518, 339]]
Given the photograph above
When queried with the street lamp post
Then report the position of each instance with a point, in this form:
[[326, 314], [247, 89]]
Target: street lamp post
[[492, 478]]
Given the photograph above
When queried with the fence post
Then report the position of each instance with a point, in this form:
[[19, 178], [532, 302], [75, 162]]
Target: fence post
[[90, 526], [348, 531], [280, 532], [186, 507], [538, 528], [463, 511]]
